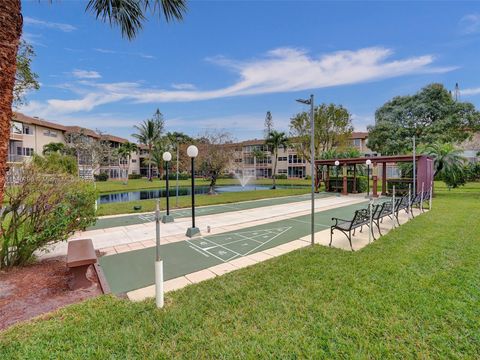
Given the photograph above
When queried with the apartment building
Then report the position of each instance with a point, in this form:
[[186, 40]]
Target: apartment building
[[247, 162], [29, 135]]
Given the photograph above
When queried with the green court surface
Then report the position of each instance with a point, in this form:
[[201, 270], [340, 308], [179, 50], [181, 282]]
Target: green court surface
[[135, 269], [104, 223]]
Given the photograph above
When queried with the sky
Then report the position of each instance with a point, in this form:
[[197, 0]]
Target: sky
[[229, 62]]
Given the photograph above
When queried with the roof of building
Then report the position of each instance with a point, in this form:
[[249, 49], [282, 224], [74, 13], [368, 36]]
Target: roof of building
[[79, 129], [359, 135], [37, 121], [114, 138]]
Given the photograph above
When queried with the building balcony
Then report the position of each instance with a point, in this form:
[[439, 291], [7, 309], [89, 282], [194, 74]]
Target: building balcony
[[15, 136], [13, 158]]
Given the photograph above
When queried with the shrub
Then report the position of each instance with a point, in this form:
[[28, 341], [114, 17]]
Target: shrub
[[55, 162], [134, 176], [42, 210], [103, 176], [173, 176], [281, 177]]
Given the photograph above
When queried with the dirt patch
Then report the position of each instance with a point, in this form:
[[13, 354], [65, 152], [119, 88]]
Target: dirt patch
[[29, 291]]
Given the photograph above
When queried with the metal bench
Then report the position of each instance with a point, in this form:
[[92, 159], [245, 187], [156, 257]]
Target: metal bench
[[80, 255], [360, 218]]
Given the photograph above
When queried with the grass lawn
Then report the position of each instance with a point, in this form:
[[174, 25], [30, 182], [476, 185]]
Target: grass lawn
[[412, 294], [200, 200], [143, 184]]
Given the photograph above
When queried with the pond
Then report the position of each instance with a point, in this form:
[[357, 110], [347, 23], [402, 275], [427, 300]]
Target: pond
[[182, 191]]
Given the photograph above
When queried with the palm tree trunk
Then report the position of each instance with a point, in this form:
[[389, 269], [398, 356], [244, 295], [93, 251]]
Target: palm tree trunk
[[149, 163], [10, 32], [275, 170]]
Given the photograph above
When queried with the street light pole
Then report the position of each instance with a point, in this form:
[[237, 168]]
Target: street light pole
[[167, 157], [312, 161], [414, 167], [337, 163], [192, 152], [176, 191]]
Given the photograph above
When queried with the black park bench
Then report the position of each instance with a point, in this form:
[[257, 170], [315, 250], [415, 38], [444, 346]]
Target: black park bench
[[360, 218], [80, 255]]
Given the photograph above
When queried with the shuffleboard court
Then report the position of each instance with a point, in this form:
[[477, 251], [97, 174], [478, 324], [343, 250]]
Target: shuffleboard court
[[133, 219], [135, 269]]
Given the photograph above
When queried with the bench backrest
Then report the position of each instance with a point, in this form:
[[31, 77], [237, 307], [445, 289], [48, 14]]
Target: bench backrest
[[361, 217]]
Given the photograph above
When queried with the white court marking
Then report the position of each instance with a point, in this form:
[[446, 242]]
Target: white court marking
[[221, 250]]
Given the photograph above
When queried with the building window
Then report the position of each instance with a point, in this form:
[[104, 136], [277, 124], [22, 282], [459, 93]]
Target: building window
[[27, 130], [17, 127], [50, 133], [295, 159], [134, 160], [357, 142]]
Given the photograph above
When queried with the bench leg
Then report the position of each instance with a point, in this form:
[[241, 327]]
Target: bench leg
[[79, 278], [350, 239], [331, 234]]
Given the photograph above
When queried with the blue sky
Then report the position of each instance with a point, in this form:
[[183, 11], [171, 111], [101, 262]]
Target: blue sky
[[229, 62]]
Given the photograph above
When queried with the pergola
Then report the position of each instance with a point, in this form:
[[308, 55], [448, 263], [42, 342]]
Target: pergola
[[424, 171]]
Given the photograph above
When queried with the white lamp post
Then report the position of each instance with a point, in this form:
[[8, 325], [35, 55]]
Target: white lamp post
[[312, 162], [167, 157], [368, 162], [192, 152]]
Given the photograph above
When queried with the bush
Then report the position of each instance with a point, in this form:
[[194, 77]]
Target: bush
[[42, 210], [473, 171], [361, 183], [173, 176], [134, 176], [103, 176], [56, 162], [281, 177]]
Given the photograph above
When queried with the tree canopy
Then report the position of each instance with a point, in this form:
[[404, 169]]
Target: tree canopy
[[432, 115], [25, 78], [333, 127]]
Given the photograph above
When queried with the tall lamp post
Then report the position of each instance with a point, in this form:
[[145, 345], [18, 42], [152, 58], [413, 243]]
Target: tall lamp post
[[167, 157], [336, 176], [312, 160], [368, 162], [176, 190], [192, 152]]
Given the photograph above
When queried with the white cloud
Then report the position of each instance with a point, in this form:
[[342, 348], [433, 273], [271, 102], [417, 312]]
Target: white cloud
[[470, 91], [184, 86], [280, 70], [470, 24], [108, 51], [86, 74], [49, 25], [360, 122]]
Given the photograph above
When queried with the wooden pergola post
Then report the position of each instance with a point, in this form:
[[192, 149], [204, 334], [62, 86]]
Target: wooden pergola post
[[354, 190], [345, 181], [375, 179], [384, 178], [327, 179]]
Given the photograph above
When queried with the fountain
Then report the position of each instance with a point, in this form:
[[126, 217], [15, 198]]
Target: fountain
[[243, 179]]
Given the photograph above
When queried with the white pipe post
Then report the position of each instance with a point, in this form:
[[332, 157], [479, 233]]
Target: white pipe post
[[421, 198], [431, 194], [312, 168], [158, 261], [370, 230], [393, 207]]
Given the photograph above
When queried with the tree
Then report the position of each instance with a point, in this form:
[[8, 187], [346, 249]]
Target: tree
[[449, 163], [25, 78], [268, 124], [91, 152], [432, 115], [157, 155], [128, 15], [148, 133], [55, 162], [125, 153], [44, 208], [333, 127], [275, 141], [215, 153], [54, 147]]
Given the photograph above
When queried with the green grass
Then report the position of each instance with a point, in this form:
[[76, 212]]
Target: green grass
[[200, 200], [412, 294], [143, 184]]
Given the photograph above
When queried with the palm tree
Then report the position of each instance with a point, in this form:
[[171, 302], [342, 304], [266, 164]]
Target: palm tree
[[148, 133], [128, 15], [449, 163], [275, 141], [125, 152], [157, 158]]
